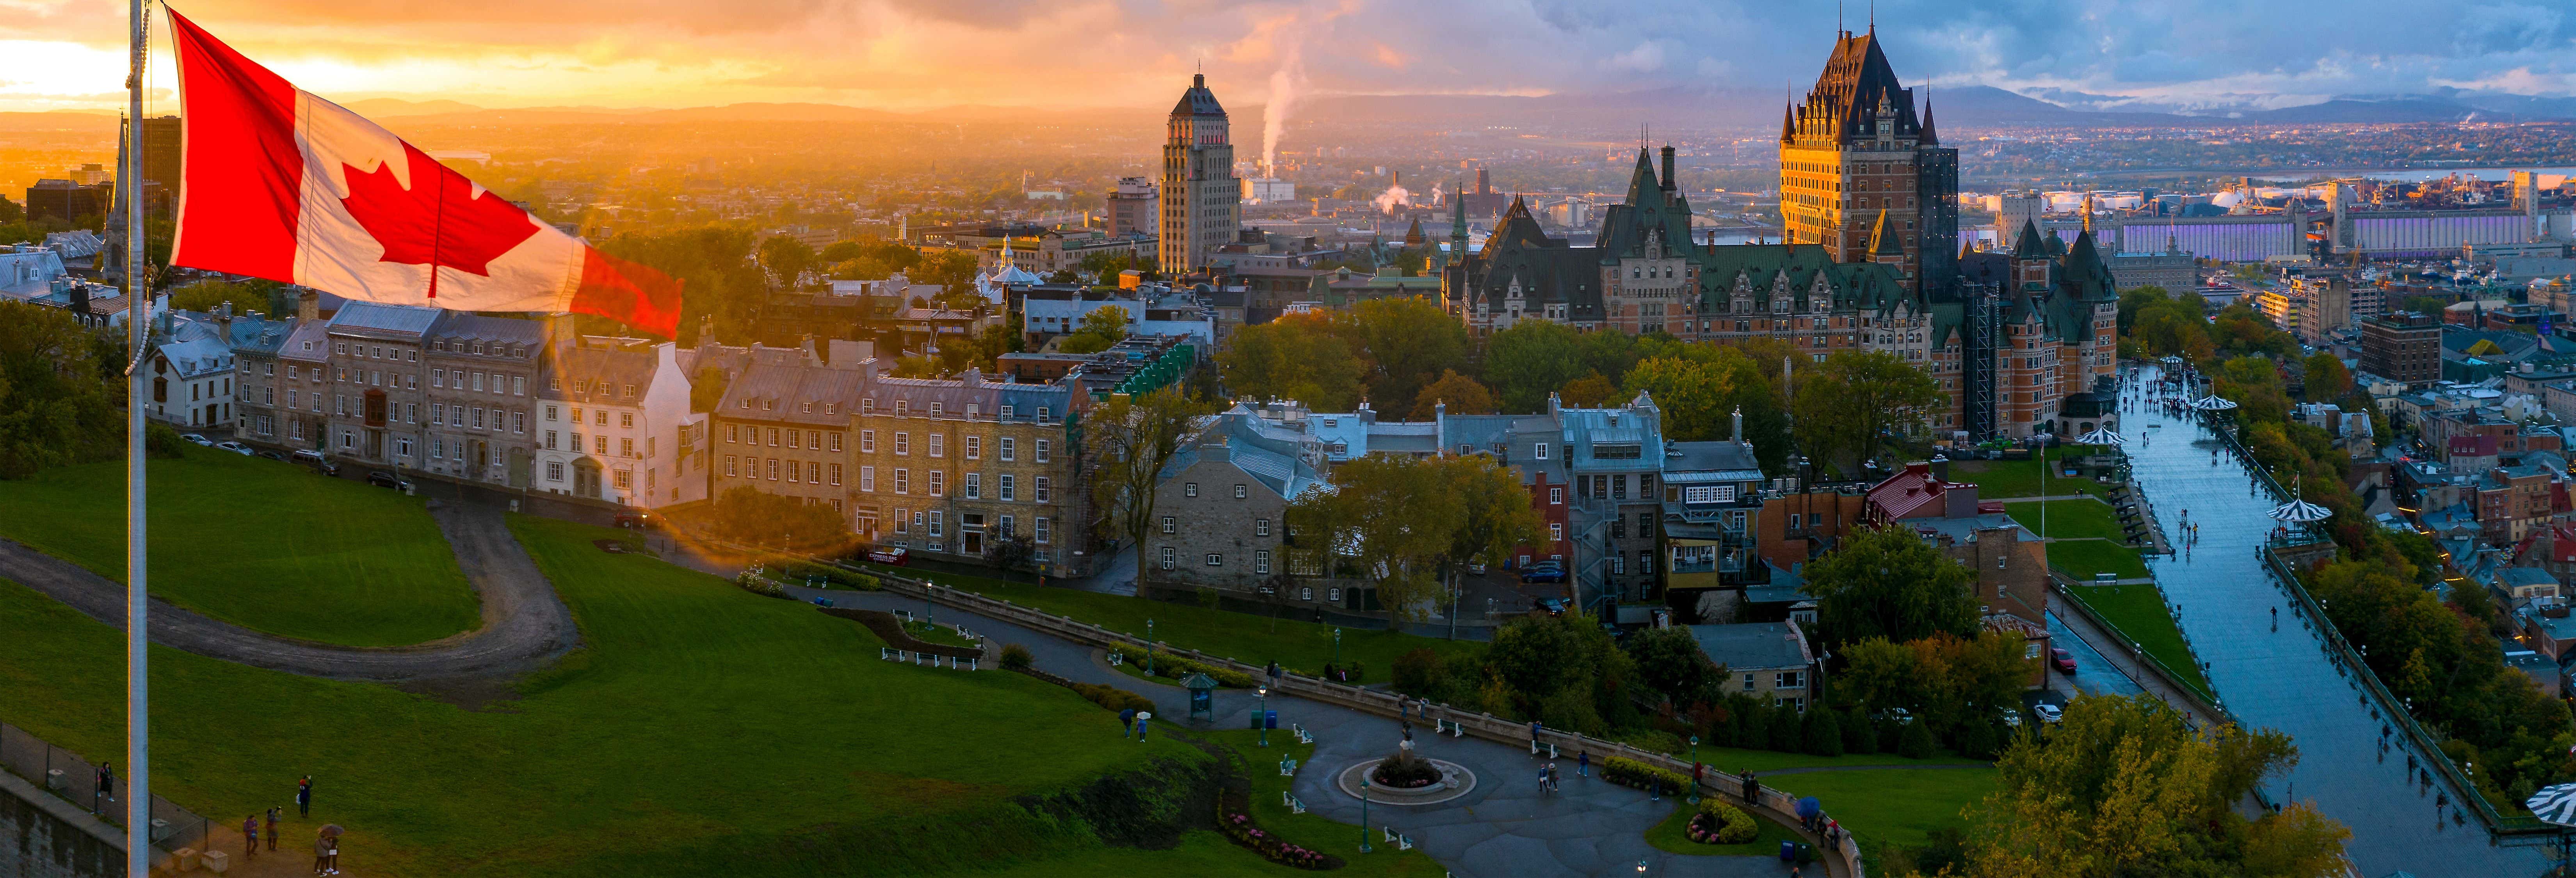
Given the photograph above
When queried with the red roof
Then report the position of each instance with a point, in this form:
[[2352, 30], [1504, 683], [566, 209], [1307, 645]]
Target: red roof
[[2473, 446], [1913, 493]]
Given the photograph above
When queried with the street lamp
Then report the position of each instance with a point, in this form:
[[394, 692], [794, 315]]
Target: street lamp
[[929, 610], [1364, 803], [1337, 646], [1149, 647], [1262, 720], [1694, 796]]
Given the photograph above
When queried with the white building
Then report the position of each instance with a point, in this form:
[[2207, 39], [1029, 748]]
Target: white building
[[615, 424], [192, 374]]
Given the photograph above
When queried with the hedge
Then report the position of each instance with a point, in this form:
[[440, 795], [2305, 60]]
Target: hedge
[[1629, 772], [1720, 823], [1112, 697], [1176, 667]]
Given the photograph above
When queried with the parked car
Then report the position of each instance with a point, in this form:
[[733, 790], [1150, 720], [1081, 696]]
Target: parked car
[[272, 455], [383, 479], [200, 440], [638, 520], [326, 467], [2049, 713], [1543, 574], [234, 447], [2011, 718], [306, 455], [890, 555], [1896, 715], [2065, 661], [1552, 606]]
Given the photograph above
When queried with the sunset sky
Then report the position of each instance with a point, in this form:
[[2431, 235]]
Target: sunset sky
[[915, 54]]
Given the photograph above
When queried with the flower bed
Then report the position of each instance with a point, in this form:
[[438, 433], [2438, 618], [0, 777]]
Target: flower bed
[[1720, 823], [760, 585], [1234, 818], [1176, 667], [1630, 772]]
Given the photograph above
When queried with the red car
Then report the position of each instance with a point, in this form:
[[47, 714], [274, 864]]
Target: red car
[[2064, 660], [894, 556]]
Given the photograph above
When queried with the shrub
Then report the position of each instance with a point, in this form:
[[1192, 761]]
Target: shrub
[[1913, 741], [1629, 772], [1418, 672], [160, 441], [1016, 657], [1859, 735], [1975, 739], [1785, 736], [1824, 734], [1112, 697], [1720, 823], [1176, 667], [760, 585], [1349, 673]]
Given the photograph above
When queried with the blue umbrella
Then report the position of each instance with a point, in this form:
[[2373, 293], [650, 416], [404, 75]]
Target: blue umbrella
[[1808, 808]]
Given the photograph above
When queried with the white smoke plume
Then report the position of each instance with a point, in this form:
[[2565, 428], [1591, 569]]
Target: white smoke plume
[[1285, 83], [1394, 196]]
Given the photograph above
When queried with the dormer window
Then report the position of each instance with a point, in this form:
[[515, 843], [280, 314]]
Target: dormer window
[[868, 406], [935, 409], [768, 405], [807, 408], [903, 406], [831, 408]]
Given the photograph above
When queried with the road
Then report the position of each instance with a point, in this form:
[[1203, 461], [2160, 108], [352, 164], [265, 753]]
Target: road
[[524, 626], [2283, 679]]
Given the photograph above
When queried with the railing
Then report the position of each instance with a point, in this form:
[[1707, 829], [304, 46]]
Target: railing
[[1781, 806], [66, 775]]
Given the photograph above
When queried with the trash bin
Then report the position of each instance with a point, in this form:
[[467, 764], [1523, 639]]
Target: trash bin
[[1270, 719], [1806, 855], [1788, 851]]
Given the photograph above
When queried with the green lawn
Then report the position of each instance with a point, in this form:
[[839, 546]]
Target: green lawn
[[1892, 807], [1729, 760], [702, 730], [1258, 640], [2138, 611], [1670, 835], [2068, 519], [2082, 559], [2000, 479], [931, 632], [1311, 830], [259, 543]]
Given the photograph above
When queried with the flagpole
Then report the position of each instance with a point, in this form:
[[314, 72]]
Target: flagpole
[[138, 332]]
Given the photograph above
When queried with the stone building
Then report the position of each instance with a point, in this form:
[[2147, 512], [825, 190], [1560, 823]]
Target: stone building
[[1223, 506], [483, 391], [1201, 202], [1861, 173], [616, 423], [376, 397]]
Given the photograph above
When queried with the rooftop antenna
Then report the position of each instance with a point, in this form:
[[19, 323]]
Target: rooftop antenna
[[1873, 16]]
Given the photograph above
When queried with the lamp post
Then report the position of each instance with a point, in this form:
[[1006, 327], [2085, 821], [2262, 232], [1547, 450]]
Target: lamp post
[[1262, 721], [1364, 803], [1694, 796], [929, 610], [1337, 646], [1149, 647]]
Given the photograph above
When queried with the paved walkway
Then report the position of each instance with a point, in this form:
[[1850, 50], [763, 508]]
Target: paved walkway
[[2283, 680], [524, 625], [1502, 828]]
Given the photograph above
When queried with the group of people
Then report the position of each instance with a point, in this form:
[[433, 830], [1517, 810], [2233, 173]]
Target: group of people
[[326, 840]]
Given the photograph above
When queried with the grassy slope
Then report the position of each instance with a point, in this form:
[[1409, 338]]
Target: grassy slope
[[703, 731], [1892, 807], [2068, 519], [259, 543], [2000, 479], [2082, 559], [1301, 646], [2139, 612]]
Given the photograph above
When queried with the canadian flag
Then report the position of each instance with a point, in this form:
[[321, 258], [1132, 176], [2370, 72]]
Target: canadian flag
[[284, 185]]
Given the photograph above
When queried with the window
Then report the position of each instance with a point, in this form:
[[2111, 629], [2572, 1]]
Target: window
[[903, 443], [1709, 494], [554, 471], [1333, 595], [1215, 560], [1171, 524], [1542, 451], [625, 479], [1042, 447], [1042, 532], [1748, 682], [1170, 557], [1556, 496], [902, 521], [903, 481], [1189, 489], [868, 441], [1041, 489], [1556, 532], [626, 448], [1009, 448], [937, 408], [938, 444], [729, 466], [1042, 414], [903, 406], [938, 483], [974, 486], [550, 440], [1645, 561], [1006, 412], [437, 377], [773, 470], [626, 420], [1239, 492], [974, 448], [836, 442], [1261, 527], [1009, 487], [1788, 680], [836, 474], [813, 472], [1261, 561]]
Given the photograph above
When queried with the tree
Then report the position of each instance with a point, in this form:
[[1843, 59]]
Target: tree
[[1391, 517], [707, 389], [1463, 396], [713, 265], [1670, 663], [1822, 732], [2124, 787], [1530, 360], [954, 270], [748, 515], [205, 296], [1852, 400], [1298, 356], [1692, 395], [1589, 391], [1103, 327], [1131, 439], [786, 259], [1410, 342], [56, 407], [10, 212], [2137, 300], [1888, 583], [2327, 379], [1494, 513], [1563, 671]]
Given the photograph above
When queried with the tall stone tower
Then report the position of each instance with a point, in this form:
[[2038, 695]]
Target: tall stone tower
[[1857, 148], [1202, 202]]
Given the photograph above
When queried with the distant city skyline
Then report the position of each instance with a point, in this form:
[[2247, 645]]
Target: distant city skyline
[[2187, 55]]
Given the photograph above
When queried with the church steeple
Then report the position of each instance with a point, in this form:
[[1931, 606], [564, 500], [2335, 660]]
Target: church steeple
[[1458, 220]]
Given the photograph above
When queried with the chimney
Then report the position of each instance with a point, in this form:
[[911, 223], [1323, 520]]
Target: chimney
[[1668, 167], [1941, 468], [1739, 423], [811, 358], [308, 306], [706, 330]]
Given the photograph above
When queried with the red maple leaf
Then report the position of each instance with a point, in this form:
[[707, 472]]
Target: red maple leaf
[[439, 222]]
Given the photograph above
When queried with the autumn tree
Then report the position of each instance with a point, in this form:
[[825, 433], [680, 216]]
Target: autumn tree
[[1888, 583], [1945, 679], [244, 297], [1409, 343], [1530, 360], [1590, 391], [1463, 396], [57, 404], [1103, 327], [1298, 356], [1850, 403], [1691, 394], [714, 267], [754, 517], [785, 259], [1130, 439], [2124, 786], [2327, 379]]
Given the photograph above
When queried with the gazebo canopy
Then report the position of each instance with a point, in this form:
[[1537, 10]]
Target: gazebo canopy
[[2554, 805], [2100, 436], [2213, 403], [2301, 512]]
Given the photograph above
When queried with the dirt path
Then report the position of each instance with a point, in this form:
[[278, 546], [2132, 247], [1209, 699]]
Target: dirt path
[[524, 625]]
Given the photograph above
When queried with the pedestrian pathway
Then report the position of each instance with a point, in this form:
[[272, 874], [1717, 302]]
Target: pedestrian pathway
[[1502, 828], [2094, 674], [2283, 679]]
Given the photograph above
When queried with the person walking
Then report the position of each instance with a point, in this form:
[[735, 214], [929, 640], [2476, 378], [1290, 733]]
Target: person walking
[[1583, 764], [321, 854], [272, 827], [106, 786], [250, 837], [1126, 721], [304, 797], [1533, 737]]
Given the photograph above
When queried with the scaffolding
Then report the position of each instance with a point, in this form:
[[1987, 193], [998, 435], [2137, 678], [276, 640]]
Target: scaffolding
[[1981, 357]]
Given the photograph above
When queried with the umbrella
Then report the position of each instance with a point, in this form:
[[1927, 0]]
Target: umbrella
[[2100, 436], [2299, 511], [2213, 403], [1808, 808], [332, 830], [2554, 804]]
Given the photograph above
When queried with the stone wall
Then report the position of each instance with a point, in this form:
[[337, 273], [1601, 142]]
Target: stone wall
[[37, 843]]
